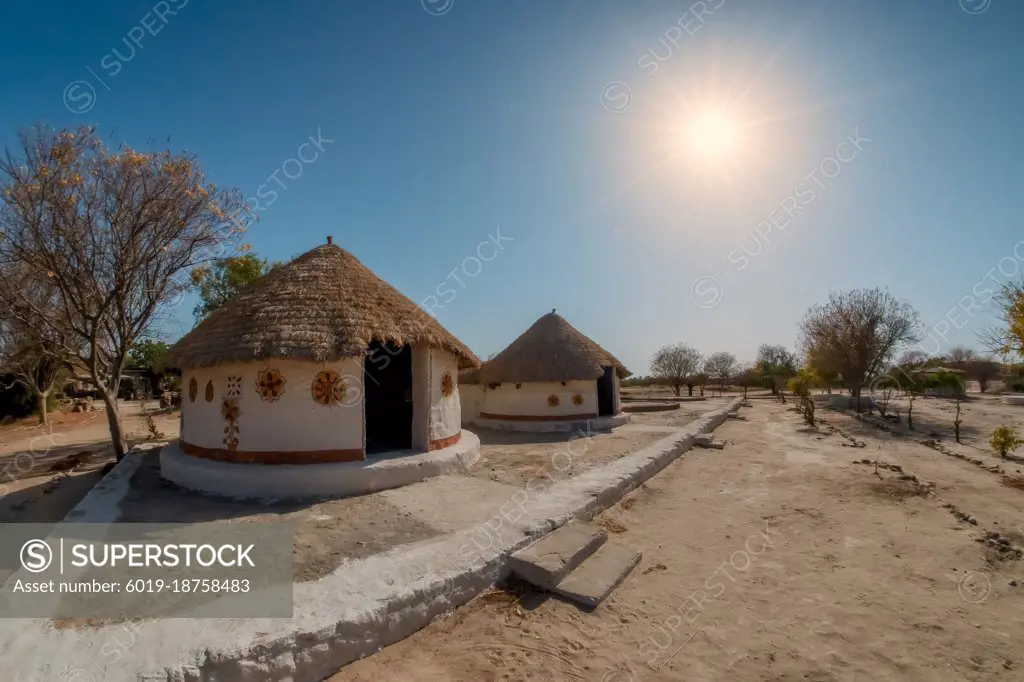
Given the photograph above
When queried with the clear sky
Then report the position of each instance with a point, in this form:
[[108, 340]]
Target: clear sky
[[659, 171]]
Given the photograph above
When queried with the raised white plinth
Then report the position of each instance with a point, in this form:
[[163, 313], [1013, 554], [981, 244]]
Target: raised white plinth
[[335, 479], [547, 426]]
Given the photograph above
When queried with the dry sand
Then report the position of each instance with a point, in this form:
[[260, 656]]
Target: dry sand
[[777, 558]]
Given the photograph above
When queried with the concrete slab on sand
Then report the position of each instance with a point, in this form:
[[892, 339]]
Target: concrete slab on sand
[[546, 562], [598, 575], [363, 604]]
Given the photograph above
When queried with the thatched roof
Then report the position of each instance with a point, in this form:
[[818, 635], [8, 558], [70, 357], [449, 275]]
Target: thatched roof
[[550, 350], [322, 306]]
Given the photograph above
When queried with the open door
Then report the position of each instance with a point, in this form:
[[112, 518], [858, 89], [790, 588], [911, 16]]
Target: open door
[[606, 393], [387, 398]]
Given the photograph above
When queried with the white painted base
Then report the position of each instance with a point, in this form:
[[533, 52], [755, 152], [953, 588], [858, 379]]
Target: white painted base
[[598, 424], [377, 472], [1013, 399]]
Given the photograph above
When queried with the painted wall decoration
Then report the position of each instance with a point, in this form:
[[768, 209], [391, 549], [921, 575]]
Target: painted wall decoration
[[577, 399], [270, 384], [193, 390], [234, 386], [230, 410], [553, 400], [328, 387], [209, 391], [447, 385]]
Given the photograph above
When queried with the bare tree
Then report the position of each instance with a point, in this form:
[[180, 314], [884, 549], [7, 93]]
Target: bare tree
[[912, 359], [960, 354], [720, 366], [674, 364], [28, 357], [115, 233], [982, 370], [745, 375], [1008, 337], [859, 331]]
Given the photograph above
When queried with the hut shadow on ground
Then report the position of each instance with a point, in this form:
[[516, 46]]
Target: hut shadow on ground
[[326, 531], [500, 437]]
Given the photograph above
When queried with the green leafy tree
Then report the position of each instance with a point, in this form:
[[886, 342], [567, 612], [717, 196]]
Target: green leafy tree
[[148, 354], [776, 365], [224, 278]]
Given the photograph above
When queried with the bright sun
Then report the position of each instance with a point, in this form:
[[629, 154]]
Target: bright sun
[[713, 134]]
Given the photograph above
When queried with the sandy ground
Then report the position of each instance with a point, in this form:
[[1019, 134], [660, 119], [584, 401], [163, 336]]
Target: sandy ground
[[46, 470], [515, 458], [778, 559], [980, 415]]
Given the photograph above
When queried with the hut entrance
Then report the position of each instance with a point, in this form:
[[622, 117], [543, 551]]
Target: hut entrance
[[387, 398], [606, 393]]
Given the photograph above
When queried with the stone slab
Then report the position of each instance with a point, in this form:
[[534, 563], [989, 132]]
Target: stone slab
[[596, 577], [546, 562]]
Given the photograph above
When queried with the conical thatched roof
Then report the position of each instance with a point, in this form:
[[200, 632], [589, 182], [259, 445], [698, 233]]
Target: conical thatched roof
[[550, 350], [322, 306]]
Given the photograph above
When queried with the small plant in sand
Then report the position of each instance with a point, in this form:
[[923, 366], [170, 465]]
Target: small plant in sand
[[1005, 440], [154, 432], [954, 384], [802, 384]]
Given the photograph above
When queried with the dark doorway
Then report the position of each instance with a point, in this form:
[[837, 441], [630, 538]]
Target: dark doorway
[[387, 398], [606, 393]]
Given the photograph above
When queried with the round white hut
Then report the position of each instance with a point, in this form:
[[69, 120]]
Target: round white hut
[[318, 379], [551, 378]]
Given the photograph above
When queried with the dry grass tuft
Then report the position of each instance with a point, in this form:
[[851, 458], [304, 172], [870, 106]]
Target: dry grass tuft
[[612, 526]]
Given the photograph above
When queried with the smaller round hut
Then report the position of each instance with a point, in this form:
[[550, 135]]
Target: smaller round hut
[[318, 379], [551, 378]]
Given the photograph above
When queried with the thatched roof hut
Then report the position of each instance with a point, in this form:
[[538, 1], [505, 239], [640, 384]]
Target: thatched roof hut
[[320, 362], [322, 306], [551, 378], [550, 350]]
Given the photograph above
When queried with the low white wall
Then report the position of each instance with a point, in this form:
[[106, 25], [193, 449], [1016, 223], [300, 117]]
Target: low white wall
[[531, 399], [470, 399], [293, 422]]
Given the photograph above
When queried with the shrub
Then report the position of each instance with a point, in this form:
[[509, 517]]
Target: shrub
[[1005, 440]]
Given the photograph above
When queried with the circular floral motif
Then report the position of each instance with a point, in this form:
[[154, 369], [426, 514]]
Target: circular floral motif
[[328, 387], [209, 391], [577, 399], [234, 386], [447, 385], [553, 400], [270, 384], [193, 390]]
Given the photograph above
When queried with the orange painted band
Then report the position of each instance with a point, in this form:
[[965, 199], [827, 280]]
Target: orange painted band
[[272, 457], [538, 417]]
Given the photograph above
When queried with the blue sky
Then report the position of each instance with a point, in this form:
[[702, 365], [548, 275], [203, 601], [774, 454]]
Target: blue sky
[[567, 126]]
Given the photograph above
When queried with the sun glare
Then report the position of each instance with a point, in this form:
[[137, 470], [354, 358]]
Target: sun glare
[[713, 134]]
